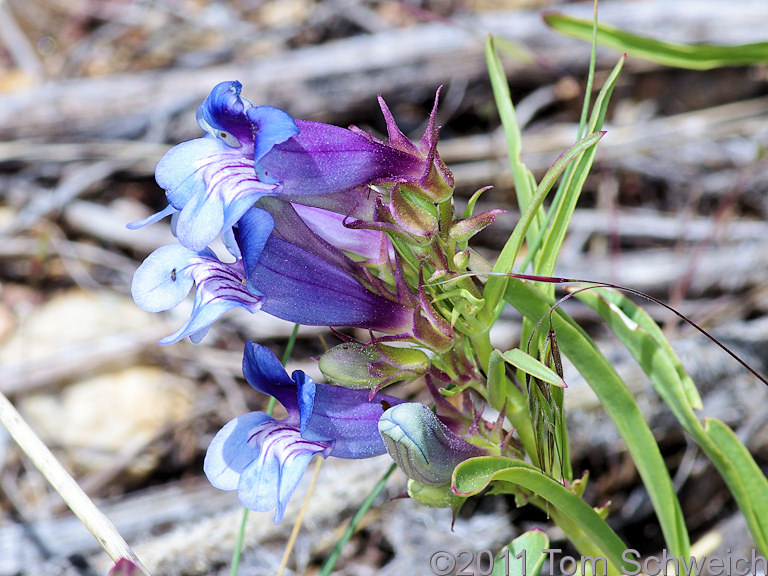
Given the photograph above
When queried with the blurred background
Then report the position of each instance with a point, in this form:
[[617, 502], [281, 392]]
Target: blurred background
[[92, 94]]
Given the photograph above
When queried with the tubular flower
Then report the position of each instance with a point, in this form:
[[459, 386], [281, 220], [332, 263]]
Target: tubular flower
[[312, 282], [264, 459], [285, 270], [253, 151], [330, 227]]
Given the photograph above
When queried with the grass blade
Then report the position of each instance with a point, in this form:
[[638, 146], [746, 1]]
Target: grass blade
[[524, 181], [494, 288], [330, 562], [691, 56], [651, 351], [573, 182]]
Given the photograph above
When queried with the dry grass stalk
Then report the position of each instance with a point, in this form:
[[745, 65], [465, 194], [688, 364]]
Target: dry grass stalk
[[77, 500]]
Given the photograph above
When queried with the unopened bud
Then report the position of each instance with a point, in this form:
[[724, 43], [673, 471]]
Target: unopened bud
[[348, 365], [354, 365], [412, 212], [422, 446], [461, 259]]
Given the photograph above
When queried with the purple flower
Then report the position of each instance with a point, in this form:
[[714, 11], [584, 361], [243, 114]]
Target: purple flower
[[264, 459], [309, 281], [435, 180], [167, 275], [286, 270], [254, 151]]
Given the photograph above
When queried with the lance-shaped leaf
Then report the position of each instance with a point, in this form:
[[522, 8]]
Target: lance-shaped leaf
[[534, 367], [494, 288], [474, 475], [647, 344]]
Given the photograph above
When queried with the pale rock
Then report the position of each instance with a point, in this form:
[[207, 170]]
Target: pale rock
[[97, 420], [72, 317]]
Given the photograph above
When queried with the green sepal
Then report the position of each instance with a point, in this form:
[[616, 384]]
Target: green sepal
[[435, 496]]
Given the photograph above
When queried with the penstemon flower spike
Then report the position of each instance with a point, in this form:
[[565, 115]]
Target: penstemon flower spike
[[334, 227]]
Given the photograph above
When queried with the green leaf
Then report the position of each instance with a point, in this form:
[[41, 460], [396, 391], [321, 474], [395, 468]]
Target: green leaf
[[503, 394], [524, 182], [691, 56], [633, 317], [533, 366], [618, 403], [645, 341], [527, 549], [573, 183], [474, 474], [494, 288], [744, 478]]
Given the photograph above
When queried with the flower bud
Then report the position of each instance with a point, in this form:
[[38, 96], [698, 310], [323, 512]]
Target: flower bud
[[412, 212], [461, 259], [464, 229], [353, 365], [422, 446], [348, 365]]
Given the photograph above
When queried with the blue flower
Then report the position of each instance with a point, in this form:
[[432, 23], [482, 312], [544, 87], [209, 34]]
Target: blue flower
[[286, 270], [309, 281], [253, 151], [264, 459], [167, 275]]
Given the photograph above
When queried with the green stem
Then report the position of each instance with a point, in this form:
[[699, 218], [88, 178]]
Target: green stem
[[290, 345], [481, 342], [330, 563], [237, 554]]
